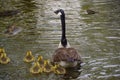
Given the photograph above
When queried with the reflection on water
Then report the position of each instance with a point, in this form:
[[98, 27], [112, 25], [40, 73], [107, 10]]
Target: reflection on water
[[96, 37]]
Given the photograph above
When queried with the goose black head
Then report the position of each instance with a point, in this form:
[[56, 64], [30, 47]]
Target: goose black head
[[59, 11]]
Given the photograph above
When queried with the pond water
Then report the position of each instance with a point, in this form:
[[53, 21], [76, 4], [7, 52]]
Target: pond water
[[95, 36]]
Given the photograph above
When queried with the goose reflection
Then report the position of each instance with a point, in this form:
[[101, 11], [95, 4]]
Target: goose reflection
[[71, 73]]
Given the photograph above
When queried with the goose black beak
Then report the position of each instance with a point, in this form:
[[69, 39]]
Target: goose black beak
[[56, 12]]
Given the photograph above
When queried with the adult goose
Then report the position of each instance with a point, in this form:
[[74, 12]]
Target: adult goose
[[65, 55]]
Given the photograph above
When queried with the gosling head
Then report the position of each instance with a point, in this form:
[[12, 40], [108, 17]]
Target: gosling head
[[40, 57], [29, 53], [2, 50], [46, 62]]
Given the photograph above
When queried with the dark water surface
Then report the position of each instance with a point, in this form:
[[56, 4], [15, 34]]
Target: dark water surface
[[95, 36]]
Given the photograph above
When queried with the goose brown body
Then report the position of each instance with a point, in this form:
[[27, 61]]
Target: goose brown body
[[65, 55]]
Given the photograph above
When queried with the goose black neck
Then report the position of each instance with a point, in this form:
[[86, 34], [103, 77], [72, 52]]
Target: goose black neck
[[63, 37]]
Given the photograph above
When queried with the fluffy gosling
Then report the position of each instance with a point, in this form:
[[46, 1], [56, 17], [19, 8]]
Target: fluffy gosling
[[29, 57], [47, 66], [36, 69], [4, 59], [40, 60], [57, 69]]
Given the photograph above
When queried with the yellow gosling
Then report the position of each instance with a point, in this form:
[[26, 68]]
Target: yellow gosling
[[29, 57], [47, 66], [40, 60], [2, 51], [4, 59], [59, 69], [36, 69]]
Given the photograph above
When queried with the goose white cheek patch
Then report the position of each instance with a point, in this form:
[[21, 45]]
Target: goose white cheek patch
[[59, 14]]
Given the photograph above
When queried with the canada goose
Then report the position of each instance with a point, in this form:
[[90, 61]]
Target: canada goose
[[57, 69], [36, 69], [65, 55], [4, 59], [29, 57], [47, 66]]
